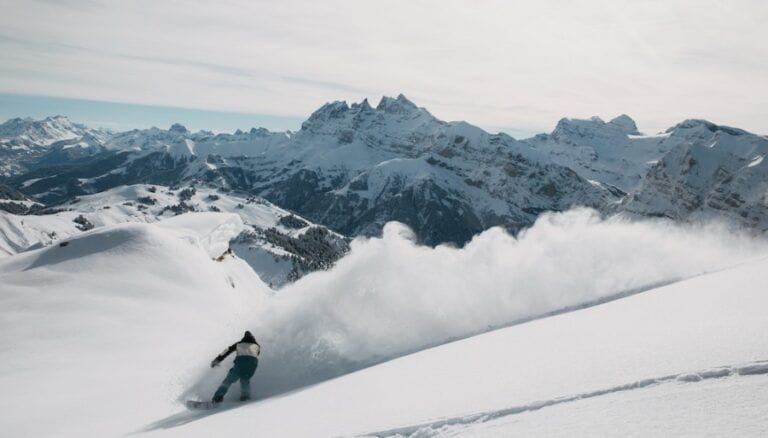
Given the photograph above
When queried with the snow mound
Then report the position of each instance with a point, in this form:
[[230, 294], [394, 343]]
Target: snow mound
[[105, 328], [215, 230], [271, 240]]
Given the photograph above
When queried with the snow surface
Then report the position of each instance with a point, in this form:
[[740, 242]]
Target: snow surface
[[717, 407], [98, 336], [667, 340], [119, 325]]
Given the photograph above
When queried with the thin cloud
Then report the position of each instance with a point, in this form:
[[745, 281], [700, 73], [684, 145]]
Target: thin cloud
[[492, 63]]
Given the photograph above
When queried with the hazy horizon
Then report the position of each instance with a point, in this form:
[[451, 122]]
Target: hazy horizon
[[118, 116]]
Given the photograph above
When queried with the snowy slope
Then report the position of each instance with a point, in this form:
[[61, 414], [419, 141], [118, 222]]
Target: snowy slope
[[633, 352], [273, 244], [98, 335], [118, 324]]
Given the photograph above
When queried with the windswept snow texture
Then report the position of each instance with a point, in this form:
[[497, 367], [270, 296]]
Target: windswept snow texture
[[390, 297], [687, 359]]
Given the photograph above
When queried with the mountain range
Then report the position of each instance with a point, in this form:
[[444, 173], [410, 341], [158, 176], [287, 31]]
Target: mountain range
[[353, 168]]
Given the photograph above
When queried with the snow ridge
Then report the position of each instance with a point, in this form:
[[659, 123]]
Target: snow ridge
[[279, 246]]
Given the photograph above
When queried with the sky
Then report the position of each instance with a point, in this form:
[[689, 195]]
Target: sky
[[510, 65]]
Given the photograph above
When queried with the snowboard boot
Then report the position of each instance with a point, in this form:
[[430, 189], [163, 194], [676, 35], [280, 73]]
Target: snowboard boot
[[218, 398], [245, 398]]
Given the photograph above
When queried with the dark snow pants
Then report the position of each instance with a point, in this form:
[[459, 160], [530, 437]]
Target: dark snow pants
[[243, 370]]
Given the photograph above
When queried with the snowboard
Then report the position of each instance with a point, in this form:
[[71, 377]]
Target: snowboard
[[203, 405], [197, 404]]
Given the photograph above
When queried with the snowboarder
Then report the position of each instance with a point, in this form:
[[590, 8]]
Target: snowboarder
[[245, 365]]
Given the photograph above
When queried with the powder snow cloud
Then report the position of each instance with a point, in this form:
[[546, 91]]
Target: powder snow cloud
[[391, 296]]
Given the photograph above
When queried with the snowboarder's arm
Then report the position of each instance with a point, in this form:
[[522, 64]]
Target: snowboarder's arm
[[223, 355]]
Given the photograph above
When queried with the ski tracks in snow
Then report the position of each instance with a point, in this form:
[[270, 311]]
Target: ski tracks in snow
[[433, 428]]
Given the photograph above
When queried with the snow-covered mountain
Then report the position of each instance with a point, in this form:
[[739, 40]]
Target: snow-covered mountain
[[279, 246], [614, 153], [351, 168], [711, 172], [179, 141], [354, 168], [27, 143]]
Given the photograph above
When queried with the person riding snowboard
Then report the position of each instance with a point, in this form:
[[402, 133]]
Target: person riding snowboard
[[245, 365]]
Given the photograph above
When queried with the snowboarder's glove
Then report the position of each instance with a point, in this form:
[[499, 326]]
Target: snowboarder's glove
[[215, 362]]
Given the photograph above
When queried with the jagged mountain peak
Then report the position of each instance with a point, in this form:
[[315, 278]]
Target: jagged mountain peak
[[363, 106], [330, 110], [400, 104], [626, 123], [588, 132], [389, 105], [259, 132], [178, 128], [704, 125], [340, 115], [58, 118], [621, 124], [43, 132], [21, 126]]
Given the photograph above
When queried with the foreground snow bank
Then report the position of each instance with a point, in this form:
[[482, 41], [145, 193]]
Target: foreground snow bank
[[686, 349], [101, 335], [390, 296]]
